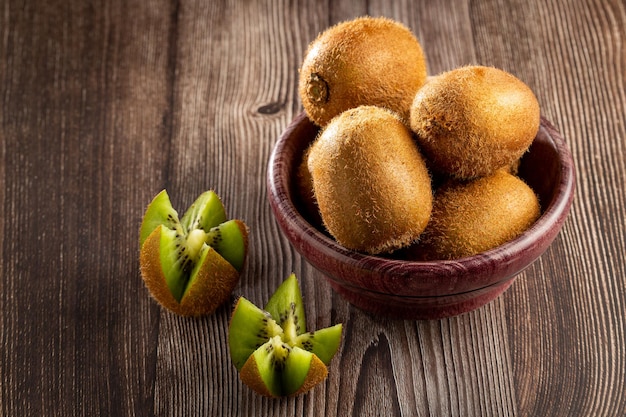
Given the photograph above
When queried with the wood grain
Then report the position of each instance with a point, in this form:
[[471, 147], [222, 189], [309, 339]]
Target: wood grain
[[105, 103]]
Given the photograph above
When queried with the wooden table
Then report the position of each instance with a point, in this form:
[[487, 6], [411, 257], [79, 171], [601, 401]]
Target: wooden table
[[105, 103]]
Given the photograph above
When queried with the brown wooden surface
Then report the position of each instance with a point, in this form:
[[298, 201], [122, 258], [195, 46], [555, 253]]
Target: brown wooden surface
[[104, 103]]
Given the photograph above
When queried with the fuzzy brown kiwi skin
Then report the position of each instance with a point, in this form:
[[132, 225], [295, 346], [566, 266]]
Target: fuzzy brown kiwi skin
[[365, 61], [305, 193], [251, 376], [371, 182], [212, 286], [474, 120], [470, 217]]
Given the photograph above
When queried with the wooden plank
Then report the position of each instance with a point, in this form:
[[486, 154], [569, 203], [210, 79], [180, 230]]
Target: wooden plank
[[83, 95]]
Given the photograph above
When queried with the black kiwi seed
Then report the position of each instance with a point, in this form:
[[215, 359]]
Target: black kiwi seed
[[215, 236], [278, 365], [187, 264]]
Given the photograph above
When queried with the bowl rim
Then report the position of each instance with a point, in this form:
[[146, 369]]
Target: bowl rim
[[534, 240]]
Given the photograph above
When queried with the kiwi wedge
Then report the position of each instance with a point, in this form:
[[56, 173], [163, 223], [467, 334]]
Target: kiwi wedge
[[470, 217], [474, 120], [371, 183], [364, 61], [229, 240], [272, 350], [191, 265]]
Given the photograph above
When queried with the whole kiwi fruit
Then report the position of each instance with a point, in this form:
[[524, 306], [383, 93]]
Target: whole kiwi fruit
[[474, 120], [370, 181], [305, 196], [364, 61], [470, 217]]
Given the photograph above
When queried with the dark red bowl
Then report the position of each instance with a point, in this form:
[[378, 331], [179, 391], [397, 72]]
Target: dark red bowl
[[422, 290]]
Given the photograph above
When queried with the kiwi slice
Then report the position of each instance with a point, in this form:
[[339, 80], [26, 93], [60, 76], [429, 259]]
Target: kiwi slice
[[179, 264], [324, 343], [206, 212], [249, 329], [286, 306], [228, 239], [271, 349], [176, 257], [277, 369], [159, 212]]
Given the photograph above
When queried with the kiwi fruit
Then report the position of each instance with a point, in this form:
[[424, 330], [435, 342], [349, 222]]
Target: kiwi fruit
[[474, 120], [191, 265], [370, 181], [229, 240], [305, 195], [364, 61], [473, 216], [272, 350]]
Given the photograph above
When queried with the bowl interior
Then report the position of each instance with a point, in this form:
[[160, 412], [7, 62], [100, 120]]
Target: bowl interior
[[547, 168]]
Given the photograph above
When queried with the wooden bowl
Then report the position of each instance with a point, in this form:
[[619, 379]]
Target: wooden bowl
[[421, 290]]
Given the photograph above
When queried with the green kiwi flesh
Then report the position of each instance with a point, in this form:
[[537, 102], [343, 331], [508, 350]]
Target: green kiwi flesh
[[175, 261], [324, 343], [287, 308], [296, 369], [250, 327], [159, 212], [184, 243], [206, 212], [229, 240], [283, 368], [272, 345]]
